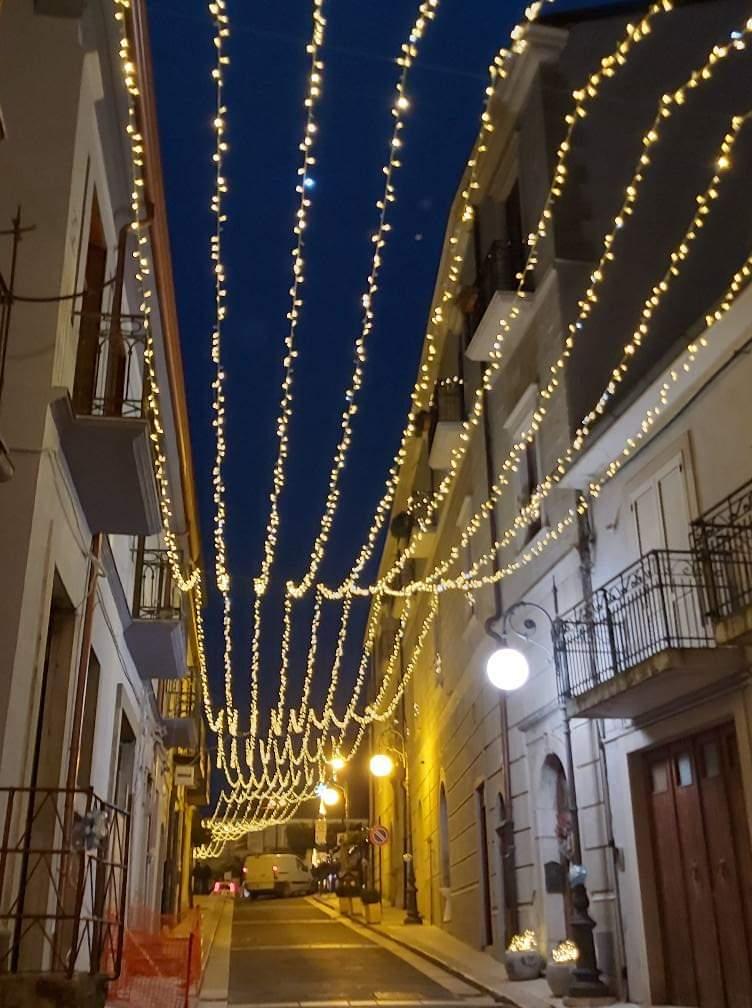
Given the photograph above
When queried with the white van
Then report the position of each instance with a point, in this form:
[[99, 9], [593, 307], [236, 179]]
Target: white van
[[275, 874]]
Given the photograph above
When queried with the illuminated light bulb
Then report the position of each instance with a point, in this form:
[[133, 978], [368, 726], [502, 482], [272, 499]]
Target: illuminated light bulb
[[381, 765]]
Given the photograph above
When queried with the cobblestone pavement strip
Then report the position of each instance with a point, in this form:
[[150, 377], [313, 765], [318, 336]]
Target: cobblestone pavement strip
[[290, 953]]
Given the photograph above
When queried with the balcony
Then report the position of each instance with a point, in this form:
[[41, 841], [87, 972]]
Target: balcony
[[642, 642], [495, 295], [722, 542], [103, 429], [155, 635], [446, 425], [180, 715]]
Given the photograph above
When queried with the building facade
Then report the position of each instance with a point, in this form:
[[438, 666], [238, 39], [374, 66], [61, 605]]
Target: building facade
[[614, 448], [100, 685]]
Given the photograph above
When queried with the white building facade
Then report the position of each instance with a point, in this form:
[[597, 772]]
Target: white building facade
[[639, 667], [99, 683]]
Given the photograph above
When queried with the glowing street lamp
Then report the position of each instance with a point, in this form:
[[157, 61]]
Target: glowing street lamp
[[507, 669], [381, 765], [329, 795], [337, 763]]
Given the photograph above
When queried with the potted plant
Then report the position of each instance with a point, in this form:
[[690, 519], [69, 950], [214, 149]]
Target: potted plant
[[371, 905], [559, 970], [345, 892], [522, 958]]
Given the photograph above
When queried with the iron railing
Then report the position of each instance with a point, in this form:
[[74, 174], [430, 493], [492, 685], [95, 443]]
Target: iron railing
[[179, 698], [109, 379], [498, 272], [654, 605], [63, 875], [722, 542], [155, 594]]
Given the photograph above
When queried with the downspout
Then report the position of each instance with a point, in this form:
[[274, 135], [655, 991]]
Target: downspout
[[511, 910], [90, 604], [584, 538]]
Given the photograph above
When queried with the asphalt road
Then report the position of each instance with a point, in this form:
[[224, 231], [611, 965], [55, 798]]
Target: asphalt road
[[291, 952]]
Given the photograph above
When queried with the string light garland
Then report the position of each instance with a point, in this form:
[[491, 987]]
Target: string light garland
[[615, 379], [424, 390], [668, 103], [187, 583], [401, 104], [703, 203]]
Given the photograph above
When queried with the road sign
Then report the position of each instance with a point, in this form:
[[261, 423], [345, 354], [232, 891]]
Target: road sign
[[378, 835]]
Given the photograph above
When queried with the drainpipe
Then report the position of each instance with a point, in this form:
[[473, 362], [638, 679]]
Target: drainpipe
[[74, 751], [584, 538], [511, 910]]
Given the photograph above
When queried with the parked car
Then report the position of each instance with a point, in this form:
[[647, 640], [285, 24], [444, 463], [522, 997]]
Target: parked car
[[222, 887], [275, 875]]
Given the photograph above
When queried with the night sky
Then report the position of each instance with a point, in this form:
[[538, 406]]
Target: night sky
[[264, 94]]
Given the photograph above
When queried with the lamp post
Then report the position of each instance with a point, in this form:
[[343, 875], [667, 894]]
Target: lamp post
[[329, 795], [382, 765], [508, 669]]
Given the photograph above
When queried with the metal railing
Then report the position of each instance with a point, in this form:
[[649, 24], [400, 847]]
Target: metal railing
[[498, 272], [155, 594], [63, 875], [654, 605], [722, 543], [179, 698], [109, 379]]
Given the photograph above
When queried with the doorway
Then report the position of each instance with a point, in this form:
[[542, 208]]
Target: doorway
[[703, 869]]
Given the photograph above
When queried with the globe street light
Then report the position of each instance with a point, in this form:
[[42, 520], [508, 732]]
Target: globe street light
[[329, 796], [382, 765], [337, 763], [508, 669]]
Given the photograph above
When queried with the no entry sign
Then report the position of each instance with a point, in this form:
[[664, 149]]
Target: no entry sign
[[378, 835]]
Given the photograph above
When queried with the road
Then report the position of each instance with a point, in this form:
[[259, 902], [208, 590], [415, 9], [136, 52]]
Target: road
[[292, 952]]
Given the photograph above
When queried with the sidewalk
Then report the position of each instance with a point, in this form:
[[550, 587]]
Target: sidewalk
[[217, 915], [468, 964]]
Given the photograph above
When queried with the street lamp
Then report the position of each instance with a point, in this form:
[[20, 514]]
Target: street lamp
[[508, 669], [382, 765], [337, 763], [329, 793]]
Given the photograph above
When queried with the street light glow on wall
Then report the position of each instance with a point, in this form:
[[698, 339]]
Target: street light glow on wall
[[381, 765], [507, 669]]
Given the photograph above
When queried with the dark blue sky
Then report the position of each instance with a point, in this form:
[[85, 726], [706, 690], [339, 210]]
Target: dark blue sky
[[265, 89]]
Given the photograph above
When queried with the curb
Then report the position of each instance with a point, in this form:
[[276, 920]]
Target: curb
[[501, 999]]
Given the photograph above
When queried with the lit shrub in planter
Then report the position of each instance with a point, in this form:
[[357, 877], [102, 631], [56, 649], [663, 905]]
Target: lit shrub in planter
[[559, 970], [522, 959], [345, 891], [371, 905]]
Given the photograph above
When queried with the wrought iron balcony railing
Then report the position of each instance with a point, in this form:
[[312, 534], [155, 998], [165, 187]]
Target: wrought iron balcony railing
[[655, 605], [155, 594], [498, 272], [722, 542], [109, 379], [179, 699]]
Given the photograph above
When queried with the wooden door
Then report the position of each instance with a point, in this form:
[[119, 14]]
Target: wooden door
[[702, 859]]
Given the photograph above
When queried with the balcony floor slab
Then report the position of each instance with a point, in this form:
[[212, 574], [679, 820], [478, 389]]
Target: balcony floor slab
[[110, 463], [670, 677]]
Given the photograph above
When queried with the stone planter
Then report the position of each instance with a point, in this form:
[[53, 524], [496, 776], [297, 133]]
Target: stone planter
[[345, 905], [523, 965], [372, 912], [558, 976]]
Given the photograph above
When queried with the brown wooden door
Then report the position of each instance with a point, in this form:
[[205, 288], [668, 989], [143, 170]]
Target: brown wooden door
[[703, 862]]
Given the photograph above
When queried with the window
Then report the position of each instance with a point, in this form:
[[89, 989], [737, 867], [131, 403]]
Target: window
[[87, 354]]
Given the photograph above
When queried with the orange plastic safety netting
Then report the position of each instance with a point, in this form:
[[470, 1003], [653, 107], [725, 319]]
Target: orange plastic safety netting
[[161, 965]]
